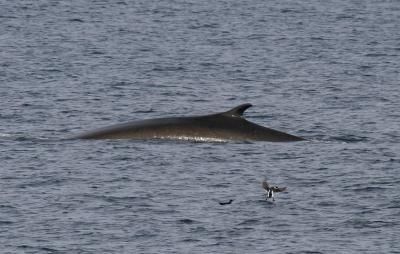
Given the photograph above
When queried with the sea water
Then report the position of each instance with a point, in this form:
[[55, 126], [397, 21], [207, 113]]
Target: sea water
[[324, 70]]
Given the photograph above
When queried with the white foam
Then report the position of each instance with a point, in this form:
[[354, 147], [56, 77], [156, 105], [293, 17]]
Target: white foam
[[195, 139]]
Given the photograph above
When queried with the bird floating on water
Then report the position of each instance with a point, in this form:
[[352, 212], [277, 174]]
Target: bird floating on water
[[269, 190], [226, 203]]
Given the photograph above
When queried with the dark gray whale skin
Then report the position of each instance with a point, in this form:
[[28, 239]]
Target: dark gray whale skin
[[225, 126]]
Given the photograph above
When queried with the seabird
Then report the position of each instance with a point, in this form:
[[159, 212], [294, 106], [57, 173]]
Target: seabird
[[226, 203], [269, 190]]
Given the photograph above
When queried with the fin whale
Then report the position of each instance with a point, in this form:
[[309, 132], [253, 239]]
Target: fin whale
[[225, 126]]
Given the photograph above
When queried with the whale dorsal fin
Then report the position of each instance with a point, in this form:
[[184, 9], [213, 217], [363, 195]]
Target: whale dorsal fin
[[237, 111]]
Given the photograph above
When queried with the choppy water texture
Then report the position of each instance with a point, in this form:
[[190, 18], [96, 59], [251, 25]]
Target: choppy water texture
[[324, 70]]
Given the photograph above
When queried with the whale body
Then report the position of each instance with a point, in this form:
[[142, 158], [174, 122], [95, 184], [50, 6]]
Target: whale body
[[225, 126]]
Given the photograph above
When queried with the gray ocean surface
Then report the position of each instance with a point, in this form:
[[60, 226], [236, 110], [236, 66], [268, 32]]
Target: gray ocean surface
[[328, 71]]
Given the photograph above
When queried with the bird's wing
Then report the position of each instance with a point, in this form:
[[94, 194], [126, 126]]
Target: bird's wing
[[265, 185], [277, 189]]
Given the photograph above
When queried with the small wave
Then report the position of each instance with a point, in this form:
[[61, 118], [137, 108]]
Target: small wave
[[142, 233], [394, 204], [327, 204], [14, 137], [76, 20], [39, 249], [220, 185], [375, 55], [200, 26], [344, 16], [369, 189], [114, 199], [6, 222], [191, 240], [288, 10], [249, 222], [41, 183], [362, 223], [187, 221], [97, 52], [24, 138], [350, 138], [168, 68]]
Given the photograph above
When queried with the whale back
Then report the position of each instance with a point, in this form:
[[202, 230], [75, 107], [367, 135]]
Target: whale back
[[224, 126]]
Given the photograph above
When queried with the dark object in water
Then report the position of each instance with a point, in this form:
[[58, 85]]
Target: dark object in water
[[226, 203], [225, 126]]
